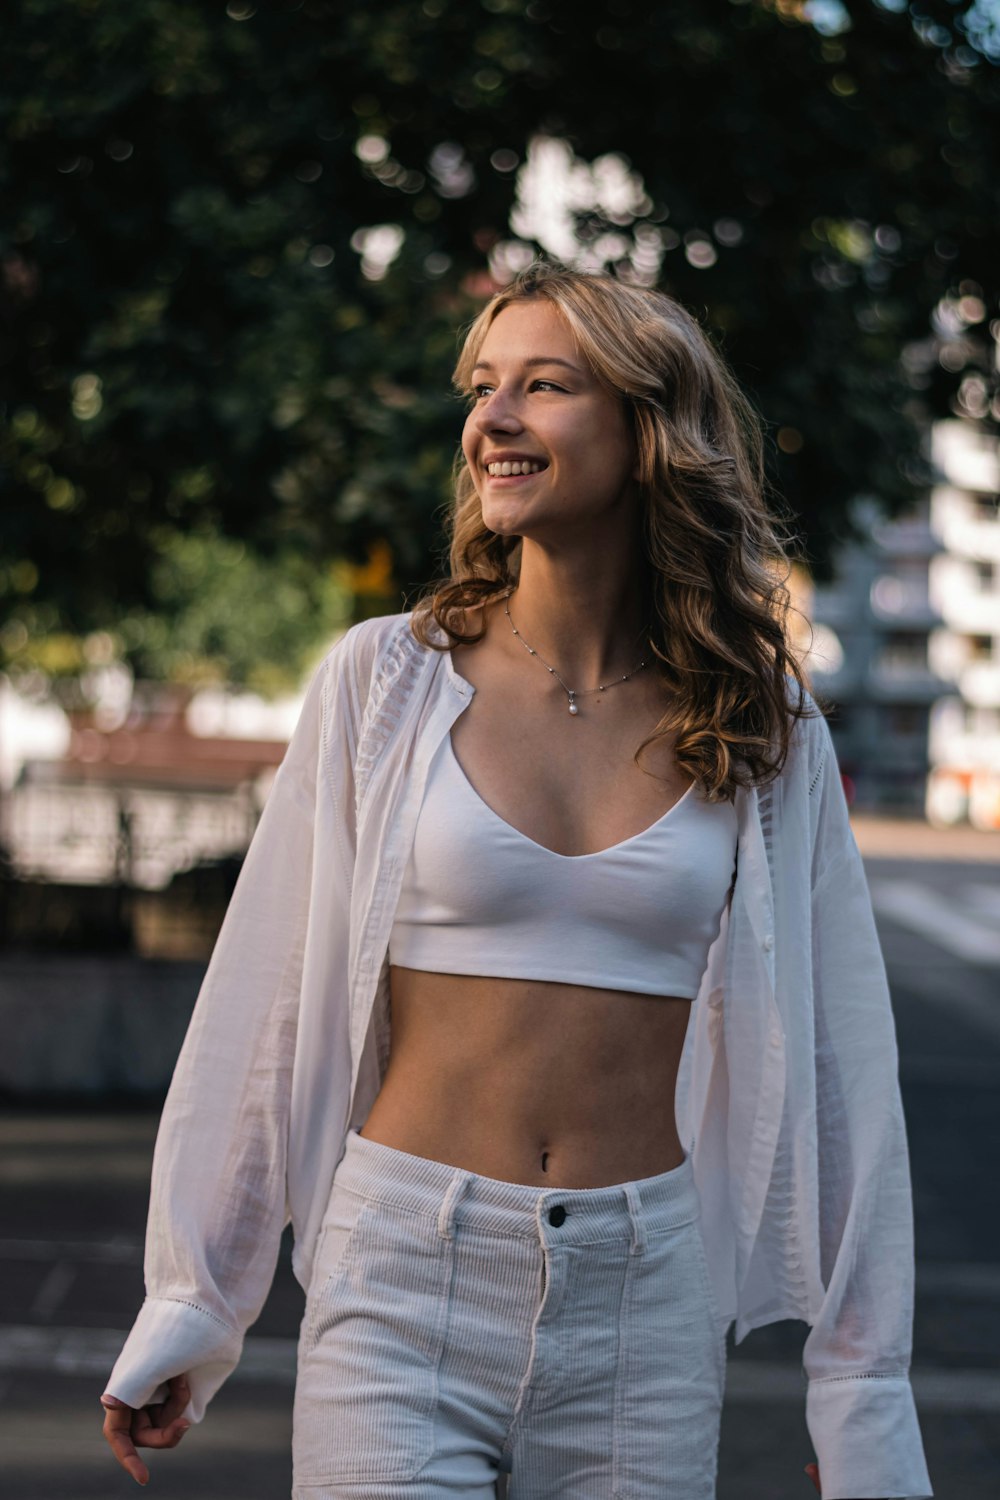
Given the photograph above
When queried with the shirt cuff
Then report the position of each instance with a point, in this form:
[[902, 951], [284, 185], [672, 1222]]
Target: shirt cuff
[[172, 1338], [866, 1437]]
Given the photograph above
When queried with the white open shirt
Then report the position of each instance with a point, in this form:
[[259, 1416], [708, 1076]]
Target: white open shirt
[[787, 1100]]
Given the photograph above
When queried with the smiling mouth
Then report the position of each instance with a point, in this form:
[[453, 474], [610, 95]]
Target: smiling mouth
[[514, 468]]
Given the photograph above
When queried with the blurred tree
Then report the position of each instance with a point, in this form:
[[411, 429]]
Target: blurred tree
[[240, 239], [218, 612]]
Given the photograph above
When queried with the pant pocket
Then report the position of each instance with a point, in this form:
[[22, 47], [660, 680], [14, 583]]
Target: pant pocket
[[367, 1389], [343, 1216], [706, 1272], [711, 1302], [668, 1395]]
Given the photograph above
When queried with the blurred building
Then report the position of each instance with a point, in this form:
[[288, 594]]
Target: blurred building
[[871, 658], [965, 650], [139, 802], [132, 837], [907, 643]]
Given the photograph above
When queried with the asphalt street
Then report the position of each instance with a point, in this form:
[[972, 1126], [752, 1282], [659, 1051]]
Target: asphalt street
[[73, 1189]]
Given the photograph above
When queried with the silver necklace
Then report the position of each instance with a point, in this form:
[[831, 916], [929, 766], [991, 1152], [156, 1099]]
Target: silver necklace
[[571, 693]]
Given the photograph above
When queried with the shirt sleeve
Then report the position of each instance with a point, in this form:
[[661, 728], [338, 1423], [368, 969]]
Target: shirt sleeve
[[859, 1404], [218, 1194]]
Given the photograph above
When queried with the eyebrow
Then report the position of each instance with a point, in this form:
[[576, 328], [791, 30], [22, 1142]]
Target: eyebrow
[[541, 359]]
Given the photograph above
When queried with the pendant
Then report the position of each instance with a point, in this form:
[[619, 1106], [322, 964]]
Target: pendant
[[572, 707]]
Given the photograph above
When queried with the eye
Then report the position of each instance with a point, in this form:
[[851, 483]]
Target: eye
[[478, 392]]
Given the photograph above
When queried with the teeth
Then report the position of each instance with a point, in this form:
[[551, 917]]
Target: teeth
[[528, 466]]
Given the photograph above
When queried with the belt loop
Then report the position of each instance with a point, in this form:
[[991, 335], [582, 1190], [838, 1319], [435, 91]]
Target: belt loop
[[447, 1214], [635, 1214], [539, 1215]]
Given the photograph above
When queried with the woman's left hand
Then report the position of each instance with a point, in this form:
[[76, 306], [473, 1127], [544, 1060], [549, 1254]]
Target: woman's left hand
[[813, 1471]]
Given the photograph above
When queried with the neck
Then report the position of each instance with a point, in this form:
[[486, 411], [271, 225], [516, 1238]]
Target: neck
[[585, 619]]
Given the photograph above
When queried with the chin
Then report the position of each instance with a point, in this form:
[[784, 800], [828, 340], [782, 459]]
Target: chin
[[501, 525]]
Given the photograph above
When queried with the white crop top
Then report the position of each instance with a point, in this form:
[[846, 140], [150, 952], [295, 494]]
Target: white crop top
[[480, 898]]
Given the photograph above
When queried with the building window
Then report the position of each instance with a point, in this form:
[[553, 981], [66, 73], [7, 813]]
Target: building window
[[903, 651], [980, 648], [906, 719], [985, 507], [985, 576], [981, 723], [902, 590]]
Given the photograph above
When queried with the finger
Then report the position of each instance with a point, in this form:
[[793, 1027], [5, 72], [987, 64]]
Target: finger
[[813, 1471], [146, 1434], [117, 1424], [178, 1396]]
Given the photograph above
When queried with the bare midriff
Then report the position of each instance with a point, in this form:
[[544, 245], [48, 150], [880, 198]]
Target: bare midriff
[[558, 1085]]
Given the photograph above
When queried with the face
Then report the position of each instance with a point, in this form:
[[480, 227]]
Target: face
[[539, 410]]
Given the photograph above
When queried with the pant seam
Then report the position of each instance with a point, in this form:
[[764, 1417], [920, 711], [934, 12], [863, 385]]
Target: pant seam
[[619, 1457]]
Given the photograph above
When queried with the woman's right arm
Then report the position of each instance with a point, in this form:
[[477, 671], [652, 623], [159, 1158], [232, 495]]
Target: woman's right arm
[[218, 1192]]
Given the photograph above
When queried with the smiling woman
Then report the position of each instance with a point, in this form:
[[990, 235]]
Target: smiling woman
[[546, 416], [617, 396], [588, 462], [563, 1037]]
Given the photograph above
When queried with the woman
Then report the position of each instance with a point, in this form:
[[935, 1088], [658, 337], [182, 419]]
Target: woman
[[574, 827]]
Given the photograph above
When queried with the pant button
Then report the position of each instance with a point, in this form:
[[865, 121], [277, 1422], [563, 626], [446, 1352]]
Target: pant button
[[557, 1215]]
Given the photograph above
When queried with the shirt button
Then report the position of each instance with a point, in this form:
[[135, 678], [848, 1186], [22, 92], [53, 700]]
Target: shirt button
[[769, 941], [557, 1216]]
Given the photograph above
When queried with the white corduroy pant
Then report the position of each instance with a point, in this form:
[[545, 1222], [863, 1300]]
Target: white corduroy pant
[[459, 1329]]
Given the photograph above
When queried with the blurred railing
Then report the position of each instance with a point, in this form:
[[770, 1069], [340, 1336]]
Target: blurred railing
[[140, 836]]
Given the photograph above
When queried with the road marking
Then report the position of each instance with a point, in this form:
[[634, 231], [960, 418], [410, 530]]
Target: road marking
[[120, 1251], [53, 1289], [60, 1170], [936, 916], [93, 1351], [960, 1279], [752, 1382], [985, 898], [948, 1072]]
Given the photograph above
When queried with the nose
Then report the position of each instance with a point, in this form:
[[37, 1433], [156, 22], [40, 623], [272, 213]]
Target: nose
[[497, 413]]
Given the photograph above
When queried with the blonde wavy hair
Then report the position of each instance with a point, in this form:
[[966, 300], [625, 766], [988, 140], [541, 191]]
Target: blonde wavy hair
[[713, 587]]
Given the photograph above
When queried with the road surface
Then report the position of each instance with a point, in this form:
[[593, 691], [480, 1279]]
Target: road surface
[[73, 1196]]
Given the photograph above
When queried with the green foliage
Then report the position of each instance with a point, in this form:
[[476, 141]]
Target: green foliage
[[218, 612], [221, 612], [198, 348]]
